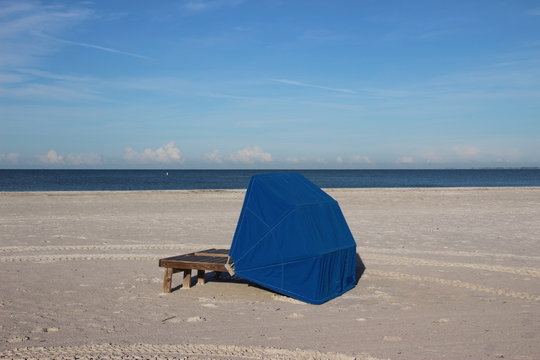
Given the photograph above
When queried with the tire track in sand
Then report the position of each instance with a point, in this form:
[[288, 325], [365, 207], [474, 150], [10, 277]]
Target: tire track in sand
[[79, 257], [189, 246], [402, 260], [455, 283], [380, 259], [158, 352], [449, 253], [8, 249], [372, 258]]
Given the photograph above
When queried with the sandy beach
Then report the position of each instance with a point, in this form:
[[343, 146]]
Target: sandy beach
[[451, 273]]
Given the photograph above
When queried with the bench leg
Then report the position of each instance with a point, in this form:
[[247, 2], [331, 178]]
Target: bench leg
[[186, 284], [200, 277], [167, 280]]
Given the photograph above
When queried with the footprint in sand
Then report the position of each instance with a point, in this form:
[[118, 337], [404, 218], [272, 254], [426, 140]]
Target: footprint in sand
[[441, 321], [209, 305], [46, 330], [195, 319], [294, 316], [17, 339], [287, 299]]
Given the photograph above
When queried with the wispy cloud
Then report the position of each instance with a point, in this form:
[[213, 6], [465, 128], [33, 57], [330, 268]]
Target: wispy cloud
[[21, 21], [13, 7], [299, 83], [534, 12], [62, 93], [10, 78], [435, 34], [322, 36], [97, 47], [32, 83], [192, 7]]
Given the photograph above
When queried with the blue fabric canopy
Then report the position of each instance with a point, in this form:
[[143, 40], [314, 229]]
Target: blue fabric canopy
[[292, 238]]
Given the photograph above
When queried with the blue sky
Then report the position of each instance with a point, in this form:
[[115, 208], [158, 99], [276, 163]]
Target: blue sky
[[269, 84]]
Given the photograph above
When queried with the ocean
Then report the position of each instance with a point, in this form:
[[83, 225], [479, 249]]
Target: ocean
[[123, 180]]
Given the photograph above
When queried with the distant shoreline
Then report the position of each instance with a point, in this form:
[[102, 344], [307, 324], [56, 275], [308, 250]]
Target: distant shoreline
[[129, 180], [232, 191], [285, 169]]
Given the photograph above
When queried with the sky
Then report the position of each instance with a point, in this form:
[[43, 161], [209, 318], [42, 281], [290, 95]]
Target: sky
[[272, 84]]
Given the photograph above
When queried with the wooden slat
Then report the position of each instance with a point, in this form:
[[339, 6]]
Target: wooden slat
[[213, 252], [196, 258], [206, 260], [210, 254], [186, 284], [200, 277], [193, 265], [167, 280]]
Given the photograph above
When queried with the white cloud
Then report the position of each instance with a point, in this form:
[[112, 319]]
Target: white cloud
[[293, 160], [214, 157], [466, 151], [84, 159], [433, 156], [167, 154], [250, 155], [54, 158], [339, 160], [360, 159], [298, 83], [405, 160], [51, 158], [11, 157]]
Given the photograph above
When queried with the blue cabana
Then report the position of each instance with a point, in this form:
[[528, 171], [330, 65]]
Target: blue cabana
[[292, 238]]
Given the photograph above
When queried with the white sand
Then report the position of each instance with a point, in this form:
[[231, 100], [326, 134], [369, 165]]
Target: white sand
[[451, 274]]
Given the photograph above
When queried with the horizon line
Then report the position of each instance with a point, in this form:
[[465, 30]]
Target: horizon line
[[283, 169]]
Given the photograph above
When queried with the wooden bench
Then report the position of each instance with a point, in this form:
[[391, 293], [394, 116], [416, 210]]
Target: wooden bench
[[211, 260]]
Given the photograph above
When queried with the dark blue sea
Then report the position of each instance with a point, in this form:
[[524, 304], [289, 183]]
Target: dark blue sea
[[91, 180]]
